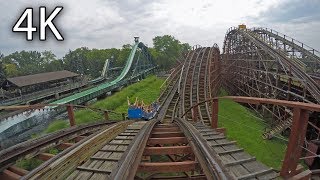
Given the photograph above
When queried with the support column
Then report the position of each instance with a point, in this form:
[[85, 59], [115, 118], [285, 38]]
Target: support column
[[215, 109], [296, 140], [194, 113], [106, 115], [71, 115]]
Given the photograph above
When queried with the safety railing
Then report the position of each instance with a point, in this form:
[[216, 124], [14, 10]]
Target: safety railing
[[70, 109], [298, 130], [290, 39]]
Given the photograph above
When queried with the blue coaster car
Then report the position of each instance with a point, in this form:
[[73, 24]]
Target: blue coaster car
[[135, 113], [138, 113]]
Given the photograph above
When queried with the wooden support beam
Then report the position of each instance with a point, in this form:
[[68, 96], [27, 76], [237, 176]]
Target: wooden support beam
[[45, 156], [9, 175], [296, 140], [165, 129], [106, 115], [167, 150], [169, 140], [64, 145], [221, 130], [71, 115], [215, 109], [194, 113], [305, 175], [166, 167], [79, 138], [166, 125], [258, 173], [18, 170], [167, 134]]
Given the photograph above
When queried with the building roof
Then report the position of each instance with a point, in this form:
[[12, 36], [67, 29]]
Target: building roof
[[22, 81]]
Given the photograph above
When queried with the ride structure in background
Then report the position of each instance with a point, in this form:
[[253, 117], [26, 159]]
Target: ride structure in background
[[264, 63], [138, 65]]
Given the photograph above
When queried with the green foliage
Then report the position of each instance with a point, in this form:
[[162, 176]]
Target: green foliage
[[167, 50], [53, 151], [247, 130], [57, 125], [88, 61], [28, 164], [11, 70]]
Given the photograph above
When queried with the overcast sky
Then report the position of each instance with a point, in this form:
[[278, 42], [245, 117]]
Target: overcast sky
[[112, 23]]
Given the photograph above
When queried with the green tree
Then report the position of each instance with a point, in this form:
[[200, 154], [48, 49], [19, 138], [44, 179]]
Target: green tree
[[167, 50], [11, 70], [2, 72], [74, 60]]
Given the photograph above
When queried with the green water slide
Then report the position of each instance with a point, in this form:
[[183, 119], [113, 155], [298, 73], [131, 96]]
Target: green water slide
[[88, 92]]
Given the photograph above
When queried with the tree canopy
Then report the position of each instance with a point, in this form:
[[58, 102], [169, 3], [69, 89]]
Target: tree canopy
[[87, 61]]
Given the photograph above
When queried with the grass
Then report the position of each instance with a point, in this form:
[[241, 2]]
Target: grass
[[147, 90], [28, 164], [247, 130]]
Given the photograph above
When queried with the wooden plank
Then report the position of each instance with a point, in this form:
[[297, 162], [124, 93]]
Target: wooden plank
[[79, 138], [167, 150], [166, 129], [166, 167], [305, 175], [63, 165], [168, 140], [224, 144], [211, 133], [123, 138], [126, 134], [111, 150], [232, 163], [119, 143], [253, 175], [168, 134], [215, 138], [93, 170], [104, 159], [45, 156], [18, 170], [9, 175], [65, 145], [230, 151]]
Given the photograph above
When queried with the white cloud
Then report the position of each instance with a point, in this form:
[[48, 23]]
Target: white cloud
[[112, 23]]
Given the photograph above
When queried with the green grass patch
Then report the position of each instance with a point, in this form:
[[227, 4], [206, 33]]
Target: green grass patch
[[147, 90], [28, 164], [57, 125], [247, 130]]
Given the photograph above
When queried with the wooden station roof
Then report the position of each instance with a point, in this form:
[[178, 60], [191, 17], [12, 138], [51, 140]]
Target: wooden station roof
[[22, 81]]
